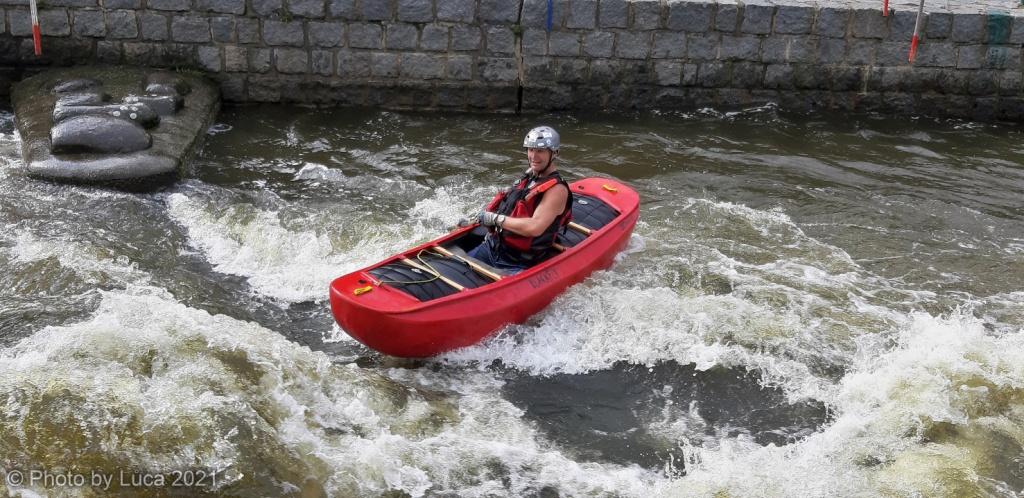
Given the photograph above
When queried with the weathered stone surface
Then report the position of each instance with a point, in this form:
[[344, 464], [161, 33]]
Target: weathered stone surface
[[342, 9], [713, 74], [861, 52], [668, 73], [747, 75], [167, 83], [110, 4], [757, 19], [939, 25], [775, 49], [498, 11], [190, 29], [401, 36], [89, 23], [52, 22], [144, 54], [384, 65], [740, 48], [669, 44], [78, 86], [248, 30], [422, 66], [456, 10], [832, 22], [997, 27], [1017, 31], [235, 58], [289, 33], [535, 14], [582, 14], [646, 14], [176, 5], [968, 28], [122, 24], [901, 25], [633, 45], [135, 112], [163, 105], [378, 10], [867, 23], [500, 40], [831, 50], [108, 51], [613, 14], [209, 58], [98, 134], [936, 55], [267, 8], [598, 43], [1003, 58], [803, 49], [778, 76], [535, 42], [564, 44], [497, 69], [684, 15], [794, 19], [415, 11], [93, 97], [971, 56], [352, 64], [259, 60], [465, 38], [222, 29], [221, 6], [307, 8], [891, 54], [291, 60], [434, 38], [460, 67], [727, 16], [702, 47]]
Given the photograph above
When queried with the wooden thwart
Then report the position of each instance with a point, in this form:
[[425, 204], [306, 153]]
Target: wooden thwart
[[580, 228], [440, 277], [476, 267]]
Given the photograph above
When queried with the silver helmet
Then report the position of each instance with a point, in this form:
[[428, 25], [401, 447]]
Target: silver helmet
[[542, 137]]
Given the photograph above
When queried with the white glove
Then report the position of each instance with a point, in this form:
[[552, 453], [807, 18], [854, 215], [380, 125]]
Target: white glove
[[489, 219]]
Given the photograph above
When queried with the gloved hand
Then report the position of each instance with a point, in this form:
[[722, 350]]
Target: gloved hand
[[489, 219], [463, 222]]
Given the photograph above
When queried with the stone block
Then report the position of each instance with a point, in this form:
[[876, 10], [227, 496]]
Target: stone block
[[669, 45], [232, 88], [702, 47], [331, 34], [633, 45], [267, 8], [342, 9], [248, 29], [668, 73], [143, 54], [52, 22], [602, 72], [456, 10], [901, 25], [535, 14], [415, 10], [175, 5], [569, 70], [727, 17], [598, 43], [1003, 58], [221, 6], [757, 19], [108, 4], [809, 77], [21, 24], [778, 76], [460, 67], [794, 19], [774, 49], [803, 49], [190, 29], [936, 55], [384, 65], [971, 56], [869, 23], [364, 35], [1017, 31], [500, 40], [845, 78], [401, 36], [535, 42], [564, 44], [861, 52], [613, 14], [747, 75], [209, 59], [692, 17], [497, 69], [259, 60], [422, 66], [283, 33], [291, 60], [537, 69], [832, 22], [434, 38], [321, 62], [1011, 83], [264, 88], [354, 64], [466, 38], [122, 24], [235, 58], [498, 11], [968, 28], [582, 14], [307, 8], [982, 83], [690, 74], [223, 29], [939, 25], [378, 10], [108, 51], [892, 54], [747, 48], [87, 23], [646, 14], [997, 27], [831, 50], [951, 81], [713, 74]]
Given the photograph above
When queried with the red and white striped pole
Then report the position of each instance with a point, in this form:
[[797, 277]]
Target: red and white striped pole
[[37, 39], [885, 8], [917, 31]]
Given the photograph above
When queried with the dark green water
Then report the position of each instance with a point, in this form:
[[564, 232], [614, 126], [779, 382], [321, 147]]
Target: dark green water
[[822, 305]]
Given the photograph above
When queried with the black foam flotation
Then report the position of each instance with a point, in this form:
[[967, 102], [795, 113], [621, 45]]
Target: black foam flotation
[[421, 284], [590, 212]]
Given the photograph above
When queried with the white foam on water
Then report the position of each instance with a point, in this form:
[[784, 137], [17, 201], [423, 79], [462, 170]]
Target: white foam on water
[[917, 150], [151, 384], [917, 419], [93, 265]]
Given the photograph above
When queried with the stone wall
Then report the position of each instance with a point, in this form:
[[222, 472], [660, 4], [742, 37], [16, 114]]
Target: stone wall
[[500, 54]]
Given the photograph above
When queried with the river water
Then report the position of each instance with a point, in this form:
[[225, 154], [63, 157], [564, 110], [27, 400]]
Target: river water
[[810, 305]]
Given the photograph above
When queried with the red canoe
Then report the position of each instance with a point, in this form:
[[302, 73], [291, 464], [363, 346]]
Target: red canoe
[[433, 298]]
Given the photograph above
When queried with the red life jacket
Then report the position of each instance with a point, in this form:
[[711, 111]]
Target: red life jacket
[[520, 202]]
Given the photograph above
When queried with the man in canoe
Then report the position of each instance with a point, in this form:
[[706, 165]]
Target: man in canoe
[[525, 220]]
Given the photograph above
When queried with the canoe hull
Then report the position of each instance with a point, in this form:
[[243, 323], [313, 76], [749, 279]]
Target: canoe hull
[[392, 322]]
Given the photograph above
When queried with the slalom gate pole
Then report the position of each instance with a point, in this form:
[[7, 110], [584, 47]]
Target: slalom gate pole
[[37, 39], [917, 31]]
